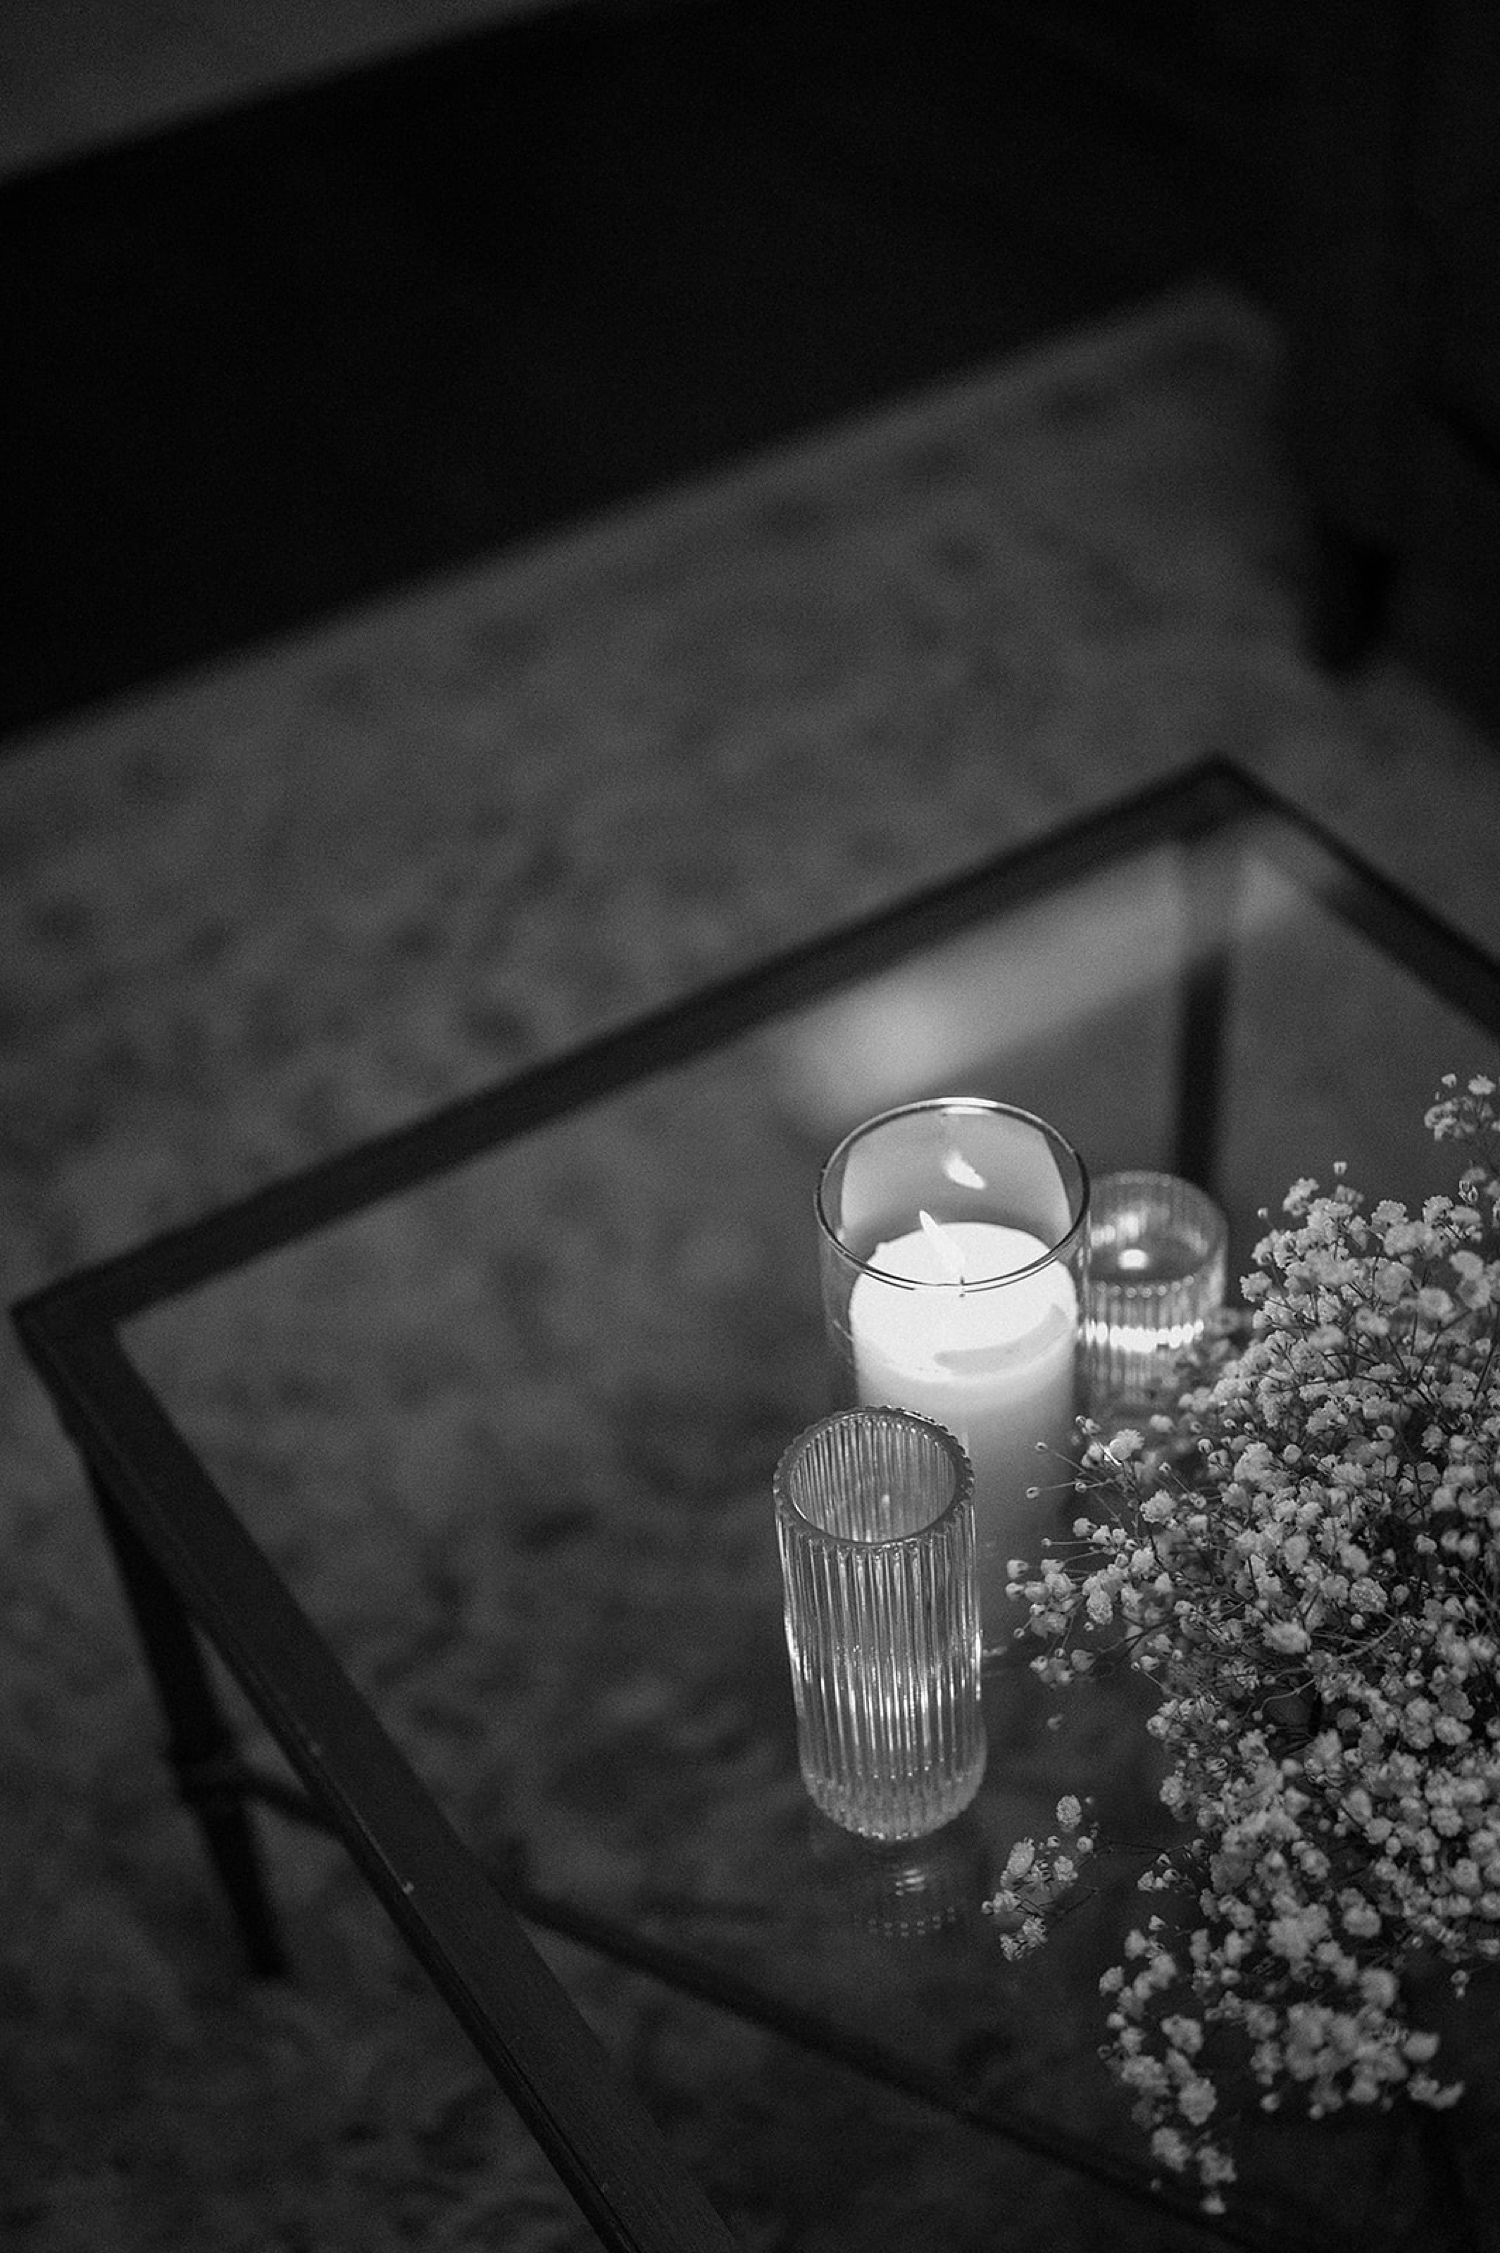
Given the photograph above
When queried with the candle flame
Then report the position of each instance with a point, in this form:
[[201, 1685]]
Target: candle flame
[[943, 1244]]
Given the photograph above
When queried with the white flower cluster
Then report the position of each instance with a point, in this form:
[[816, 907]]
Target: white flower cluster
[[1306, 1560], [1038, 1873]]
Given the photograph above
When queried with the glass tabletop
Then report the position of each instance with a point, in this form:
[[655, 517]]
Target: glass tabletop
[[500, 1400]]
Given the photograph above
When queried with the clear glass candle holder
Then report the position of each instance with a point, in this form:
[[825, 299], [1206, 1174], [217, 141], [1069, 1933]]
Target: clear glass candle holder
[[1157, 1274], [875, 1526], [952, 1237]]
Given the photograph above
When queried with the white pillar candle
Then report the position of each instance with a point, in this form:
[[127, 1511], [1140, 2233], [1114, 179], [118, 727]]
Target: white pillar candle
[[992, 1360]]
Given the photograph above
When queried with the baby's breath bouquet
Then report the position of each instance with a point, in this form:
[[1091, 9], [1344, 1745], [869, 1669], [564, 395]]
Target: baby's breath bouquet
[[1305, 1560]]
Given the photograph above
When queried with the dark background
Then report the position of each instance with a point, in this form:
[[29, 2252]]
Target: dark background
[[274, 361]]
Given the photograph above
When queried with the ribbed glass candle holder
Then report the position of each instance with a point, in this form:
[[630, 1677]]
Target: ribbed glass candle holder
[[875, 1524], [1157, 1260]]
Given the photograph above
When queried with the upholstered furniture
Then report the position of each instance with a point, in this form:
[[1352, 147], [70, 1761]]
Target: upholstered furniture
[[1391, 233]]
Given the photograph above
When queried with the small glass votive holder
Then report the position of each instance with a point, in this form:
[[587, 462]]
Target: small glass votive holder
[[875, 1527], [951, 1237], [1157, 1274]]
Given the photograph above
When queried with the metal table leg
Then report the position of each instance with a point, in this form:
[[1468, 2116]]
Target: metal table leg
[[201, 1745]]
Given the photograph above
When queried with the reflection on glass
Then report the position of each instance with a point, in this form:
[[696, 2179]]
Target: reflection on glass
[[911, 1891]]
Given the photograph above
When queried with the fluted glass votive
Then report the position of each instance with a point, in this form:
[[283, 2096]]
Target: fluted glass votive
[[1157, 1274], [875, 1526], [951, 1236]]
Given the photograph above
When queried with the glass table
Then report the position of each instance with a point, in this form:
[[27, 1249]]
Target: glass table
[[550, 1340]]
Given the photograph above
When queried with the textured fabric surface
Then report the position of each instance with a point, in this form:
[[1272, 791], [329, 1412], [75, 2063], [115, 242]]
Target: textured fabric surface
[[262, 911]]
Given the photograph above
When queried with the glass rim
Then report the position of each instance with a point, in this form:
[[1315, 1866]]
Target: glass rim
[[1060, 1250], [947, 1442], [1207, 1211], [1146, 1177]]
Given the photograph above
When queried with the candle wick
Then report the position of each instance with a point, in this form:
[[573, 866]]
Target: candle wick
[[942, 1243]]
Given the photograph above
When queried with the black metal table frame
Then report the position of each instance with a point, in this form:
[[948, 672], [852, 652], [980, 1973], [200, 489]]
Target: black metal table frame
[[192, 1574]]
